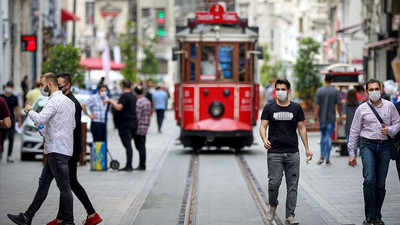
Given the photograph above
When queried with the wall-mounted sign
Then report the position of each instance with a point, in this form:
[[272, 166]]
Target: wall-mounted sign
[[28, 43], [217, 14]]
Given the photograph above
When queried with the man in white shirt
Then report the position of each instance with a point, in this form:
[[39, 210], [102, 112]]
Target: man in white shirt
[[58, 118], [208, 67]]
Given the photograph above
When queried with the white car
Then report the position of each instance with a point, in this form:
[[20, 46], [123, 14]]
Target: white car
[[32, 142]]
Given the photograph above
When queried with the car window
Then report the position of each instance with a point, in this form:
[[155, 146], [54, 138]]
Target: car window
[[40, 103]]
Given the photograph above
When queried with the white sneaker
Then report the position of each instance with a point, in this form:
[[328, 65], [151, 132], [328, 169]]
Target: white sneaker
[[291, 220], [271, 213], [10, 159]]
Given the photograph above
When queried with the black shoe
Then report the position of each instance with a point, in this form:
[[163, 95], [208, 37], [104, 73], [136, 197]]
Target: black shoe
[[140, 168], [368, 221], [379, 222], [126, 169], [19, 219]]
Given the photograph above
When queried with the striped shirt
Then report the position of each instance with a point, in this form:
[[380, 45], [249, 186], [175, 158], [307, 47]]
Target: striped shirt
[[366, 125], [143, 113], [96, 107]]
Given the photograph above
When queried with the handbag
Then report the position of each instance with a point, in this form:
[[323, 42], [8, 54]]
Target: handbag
[[394, 146]]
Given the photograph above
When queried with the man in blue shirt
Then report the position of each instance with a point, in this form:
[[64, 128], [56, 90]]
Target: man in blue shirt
[[160, 98]]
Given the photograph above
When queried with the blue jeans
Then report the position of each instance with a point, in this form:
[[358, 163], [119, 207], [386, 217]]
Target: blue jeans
[[56, 166], [277, 164], [398, 167], [326, 129], [375, 158]]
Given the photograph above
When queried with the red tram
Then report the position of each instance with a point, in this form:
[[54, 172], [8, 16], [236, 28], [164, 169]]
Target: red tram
[[216, 90]]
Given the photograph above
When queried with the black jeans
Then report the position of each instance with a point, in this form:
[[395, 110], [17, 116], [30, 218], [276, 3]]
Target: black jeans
[[8, 133], [78, 190], [160, 117], [140, 144], [55, 166], [98, 131], [126, 134]]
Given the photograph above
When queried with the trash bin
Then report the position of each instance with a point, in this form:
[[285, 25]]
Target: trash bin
[[99, 157]]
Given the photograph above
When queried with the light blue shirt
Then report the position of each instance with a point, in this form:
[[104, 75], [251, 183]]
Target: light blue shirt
[[160, 99]]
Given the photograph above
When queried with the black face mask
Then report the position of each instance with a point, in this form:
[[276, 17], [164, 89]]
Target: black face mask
[[60, 88]]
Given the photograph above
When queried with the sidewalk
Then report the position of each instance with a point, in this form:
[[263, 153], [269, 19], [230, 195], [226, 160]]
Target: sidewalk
[[112, 193], [338, 188]]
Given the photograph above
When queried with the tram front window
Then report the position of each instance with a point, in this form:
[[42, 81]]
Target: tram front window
[[209, 65]]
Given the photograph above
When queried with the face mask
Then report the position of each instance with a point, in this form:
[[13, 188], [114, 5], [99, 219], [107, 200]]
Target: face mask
[[61, 89], [44, 93], [8, 90], [374, 95], [103, 94], [281, 95], [211, 58]]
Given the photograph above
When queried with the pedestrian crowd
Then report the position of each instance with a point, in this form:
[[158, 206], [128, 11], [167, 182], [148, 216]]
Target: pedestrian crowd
[[62, 133], [372, 125]]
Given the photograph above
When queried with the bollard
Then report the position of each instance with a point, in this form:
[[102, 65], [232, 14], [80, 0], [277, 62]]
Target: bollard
[[82, 157]]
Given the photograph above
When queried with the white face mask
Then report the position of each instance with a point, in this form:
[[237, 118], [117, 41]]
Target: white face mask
[[8, 90], [374, 95], [103, 94], [281, 95], [44, 93]]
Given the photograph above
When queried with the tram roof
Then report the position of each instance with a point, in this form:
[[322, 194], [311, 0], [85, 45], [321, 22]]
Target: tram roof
[[208, 32]]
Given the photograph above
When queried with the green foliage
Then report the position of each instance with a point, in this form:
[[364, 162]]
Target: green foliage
[[149, 65], [65, 59], [127, 42], [267, 72], [308, 80]]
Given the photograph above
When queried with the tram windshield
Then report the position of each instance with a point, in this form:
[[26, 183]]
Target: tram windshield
[[217, 62]]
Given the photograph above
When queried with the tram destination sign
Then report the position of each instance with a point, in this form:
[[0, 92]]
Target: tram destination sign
[[217, 14]]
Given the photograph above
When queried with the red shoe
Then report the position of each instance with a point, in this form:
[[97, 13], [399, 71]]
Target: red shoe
[[94, 220], [53, 222]]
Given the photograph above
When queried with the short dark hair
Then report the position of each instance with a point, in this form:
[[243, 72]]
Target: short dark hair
[[126, 83], [328, 77], [372, 80], [102, 86], [139, 89], [65, 76], [50, 77], [283, 81], [9, 84]]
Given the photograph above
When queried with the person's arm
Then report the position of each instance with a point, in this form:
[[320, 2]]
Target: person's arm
[[354, 136], [316, 114], [303, 135], [86, 112], [5, 122], [115, 104], [18, 111], [47, 112], [263, 133], [394, 128]]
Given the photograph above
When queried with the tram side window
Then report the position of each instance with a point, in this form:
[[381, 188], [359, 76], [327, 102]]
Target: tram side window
[[209, 64], [242, 61], [192, 62], [225, 54]]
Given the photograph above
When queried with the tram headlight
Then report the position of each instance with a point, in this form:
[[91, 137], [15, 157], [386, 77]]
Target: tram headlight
[[216, 109]]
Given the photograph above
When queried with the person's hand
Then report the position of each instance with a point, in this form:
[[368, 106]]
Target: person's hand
[[352, 161], [315, 124], [92, 116], [384, 129], [19, 124], [106, 101], [309, 154], [267, 144], [27, 108], [340, 121]]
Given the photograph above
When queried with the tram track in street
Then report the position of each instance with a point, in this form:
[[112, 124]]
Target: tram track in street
[[189, 204]]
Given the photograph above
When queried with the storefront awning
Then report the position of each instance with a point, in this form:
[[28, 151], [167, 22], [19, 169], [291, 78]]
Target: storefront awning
[[390, 42], [97, 64], [67, 16]]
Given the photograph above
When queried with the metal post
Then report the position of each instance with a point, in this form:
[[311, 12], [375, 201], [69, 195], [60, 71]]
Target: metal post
[[82, 157], [73, 25]]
